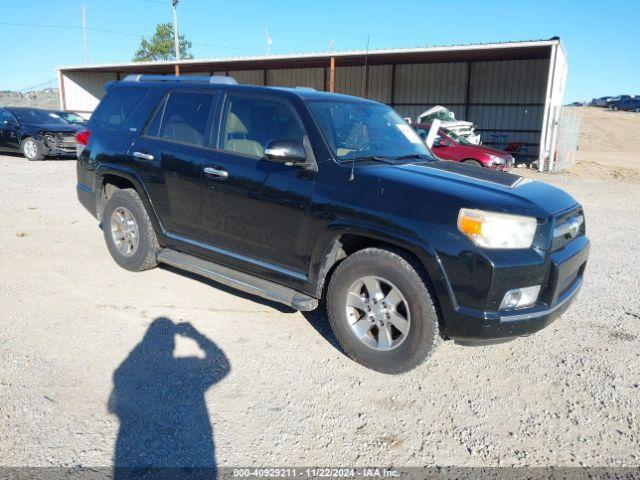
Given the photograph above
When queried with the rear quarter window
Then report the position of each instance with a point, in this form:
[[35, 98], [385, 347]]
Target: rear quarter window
[[117, 106]]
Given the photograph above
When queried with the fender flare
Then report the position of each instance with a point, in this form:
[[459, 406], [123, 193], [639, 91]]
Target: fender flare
[[329, 250], [129, 174]]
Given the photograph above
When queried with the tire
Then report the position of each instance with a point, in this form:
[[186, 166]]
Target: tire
[[123, 207], [472, 162], [615, 108], [32, 149], [389, 268]]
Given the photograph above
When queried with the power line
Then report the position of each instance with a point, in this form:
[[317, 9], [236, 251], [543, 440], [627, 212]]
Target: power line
[[115, 32]]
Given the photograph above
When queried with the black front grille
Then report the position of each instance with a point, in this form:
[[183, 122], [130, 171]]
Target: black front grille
[[561, 238]]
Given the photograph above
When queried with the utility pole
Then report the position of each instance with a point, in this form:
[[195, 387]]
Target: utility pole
[[84, 34], [176, 37]]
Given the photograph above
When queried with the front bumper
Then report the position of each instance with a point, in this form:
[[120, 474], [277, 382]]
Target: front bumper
[[59, 143], [471, 326]]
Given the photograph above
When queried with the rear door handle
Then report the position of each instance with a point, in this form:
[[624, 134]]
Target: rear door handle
[[215, 172], [143, 156]]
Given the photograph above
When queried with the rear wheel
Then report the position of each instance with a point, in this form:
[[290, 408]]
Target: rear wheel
[[615, 108], [381, 312], [128, 231], [32, 149], [472, 162]]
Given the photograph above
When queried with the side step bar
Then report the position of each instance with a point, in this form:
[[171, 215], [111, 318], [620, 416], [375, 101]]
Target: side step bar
[[240, 280]]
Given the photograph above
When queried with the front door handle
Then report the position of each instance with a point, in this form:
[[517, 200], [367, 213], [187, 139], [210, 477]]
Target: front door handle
[[215, 172], [143, 156]]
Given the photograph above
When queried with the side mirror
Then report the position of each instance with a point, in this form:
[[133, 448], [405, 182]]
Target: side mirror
[[287, 152]]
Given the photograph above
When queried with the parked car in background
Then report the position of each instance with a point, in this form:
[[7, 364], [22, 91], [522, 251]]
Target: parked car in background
[[631, 104], [267, 190], [450, 146], [616, 99], [447, 117], [36, 133], [71, 117], [600, 102]]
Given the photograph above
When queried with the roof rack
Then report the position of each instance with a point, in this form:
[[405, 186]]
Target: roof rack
[[182, 78]]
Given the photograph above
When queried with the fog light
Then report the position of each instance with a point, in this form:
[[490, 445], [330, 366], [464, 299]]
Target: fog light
[[520, 297]]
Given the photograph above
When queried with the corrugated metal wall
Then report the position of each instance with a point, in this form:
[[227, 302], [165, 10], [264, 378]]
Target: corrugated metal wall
[[297, 77], [83, 90], [248, 77], [505, 99]]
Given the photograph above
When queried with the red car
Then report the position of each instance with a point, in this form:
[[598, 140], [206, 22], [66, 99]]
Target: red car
[[449, 146]]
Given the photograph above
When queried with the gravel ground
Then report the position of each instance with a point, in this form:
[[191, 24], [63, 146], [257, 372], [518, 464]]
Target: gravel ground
[[87, 376]]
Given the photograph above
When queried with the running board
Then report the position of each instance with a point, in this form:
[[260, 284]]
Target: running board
[[240, 280]]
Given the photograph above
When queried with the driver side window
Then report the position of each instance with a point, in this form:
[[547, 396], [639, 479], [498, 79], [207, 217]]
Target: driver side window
[[250, 122]]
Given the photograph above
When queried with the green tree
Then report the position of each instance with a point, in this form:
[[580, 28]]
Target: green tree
[[161, 46]]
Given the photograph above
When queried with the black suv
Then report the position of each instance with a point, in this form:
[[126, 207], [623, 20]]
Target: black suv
[[297, 196]]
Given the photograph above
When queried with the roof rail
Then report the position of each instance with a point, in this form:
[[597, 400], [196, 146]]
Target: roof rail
[[181, 78]]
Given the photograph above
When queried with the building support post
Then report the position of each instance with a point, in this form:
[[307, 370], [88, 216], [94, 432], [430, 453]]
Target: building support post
[[63, 99], [332, 75]]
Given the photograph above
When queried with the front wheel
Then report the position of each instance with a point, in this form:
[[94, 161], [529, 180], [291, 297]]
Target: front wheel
[[128, 231], [381, 312], [32, 149]]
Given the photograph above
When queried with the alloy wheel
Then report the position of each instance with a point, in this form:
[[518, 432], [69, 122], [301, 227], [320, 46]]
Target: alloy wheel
[[30, 148], [378, 313], [124, 231]]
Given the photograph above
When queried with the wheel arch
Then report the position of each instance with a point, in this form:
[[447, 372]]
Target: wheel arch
[[470, 159], [341, 243], [110, 179]]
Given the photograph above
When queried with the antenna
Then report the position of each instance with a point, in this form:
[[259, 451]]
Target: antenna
[[268, 40], [359, 127]]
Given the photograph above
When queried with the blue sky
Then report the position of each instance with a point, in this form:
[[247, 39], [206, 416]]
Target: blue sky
[[602, 38]]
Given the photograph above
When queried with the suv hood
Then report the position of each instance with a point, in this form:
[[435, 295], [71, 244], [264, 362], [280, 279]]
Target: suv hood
[[478, 187]]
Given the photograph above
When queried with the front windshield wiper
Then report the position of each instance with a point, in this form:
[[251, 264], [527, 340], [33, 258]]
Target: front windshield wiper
[[366, 158], [420, 156]]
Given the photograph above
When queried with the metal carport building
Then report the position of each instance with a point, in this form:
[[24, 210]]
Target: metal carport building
[[511, 91]]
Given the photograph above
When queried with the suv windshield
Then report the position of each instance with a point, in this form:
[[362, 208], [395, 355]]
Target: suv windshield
[[39, 117], [362, 129]]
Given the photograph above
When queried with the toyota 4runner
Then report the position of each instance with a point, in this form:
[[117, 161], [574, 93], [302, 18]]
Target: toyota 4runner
[[300, 196]]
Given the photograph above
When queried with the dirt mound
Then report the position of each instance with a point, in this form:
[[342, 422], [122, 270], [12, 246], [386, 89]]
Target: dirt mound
[[609, 144]]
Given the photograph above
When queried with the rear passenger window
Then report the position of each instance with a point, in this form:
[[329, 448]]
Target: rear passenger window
[[117, 106], [186, 117], [250, 122]]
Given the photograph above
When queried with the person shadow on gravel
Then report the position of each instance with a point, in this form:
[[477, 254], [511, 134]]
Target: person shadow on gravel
[[159, 399]]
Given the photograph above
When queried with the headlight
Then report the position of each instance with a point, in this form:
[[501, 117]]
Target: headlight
[[496, 159], [497, 230]]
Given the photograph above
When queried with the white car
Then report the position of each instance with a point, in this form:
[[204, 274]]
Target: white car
[[448, 119]]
